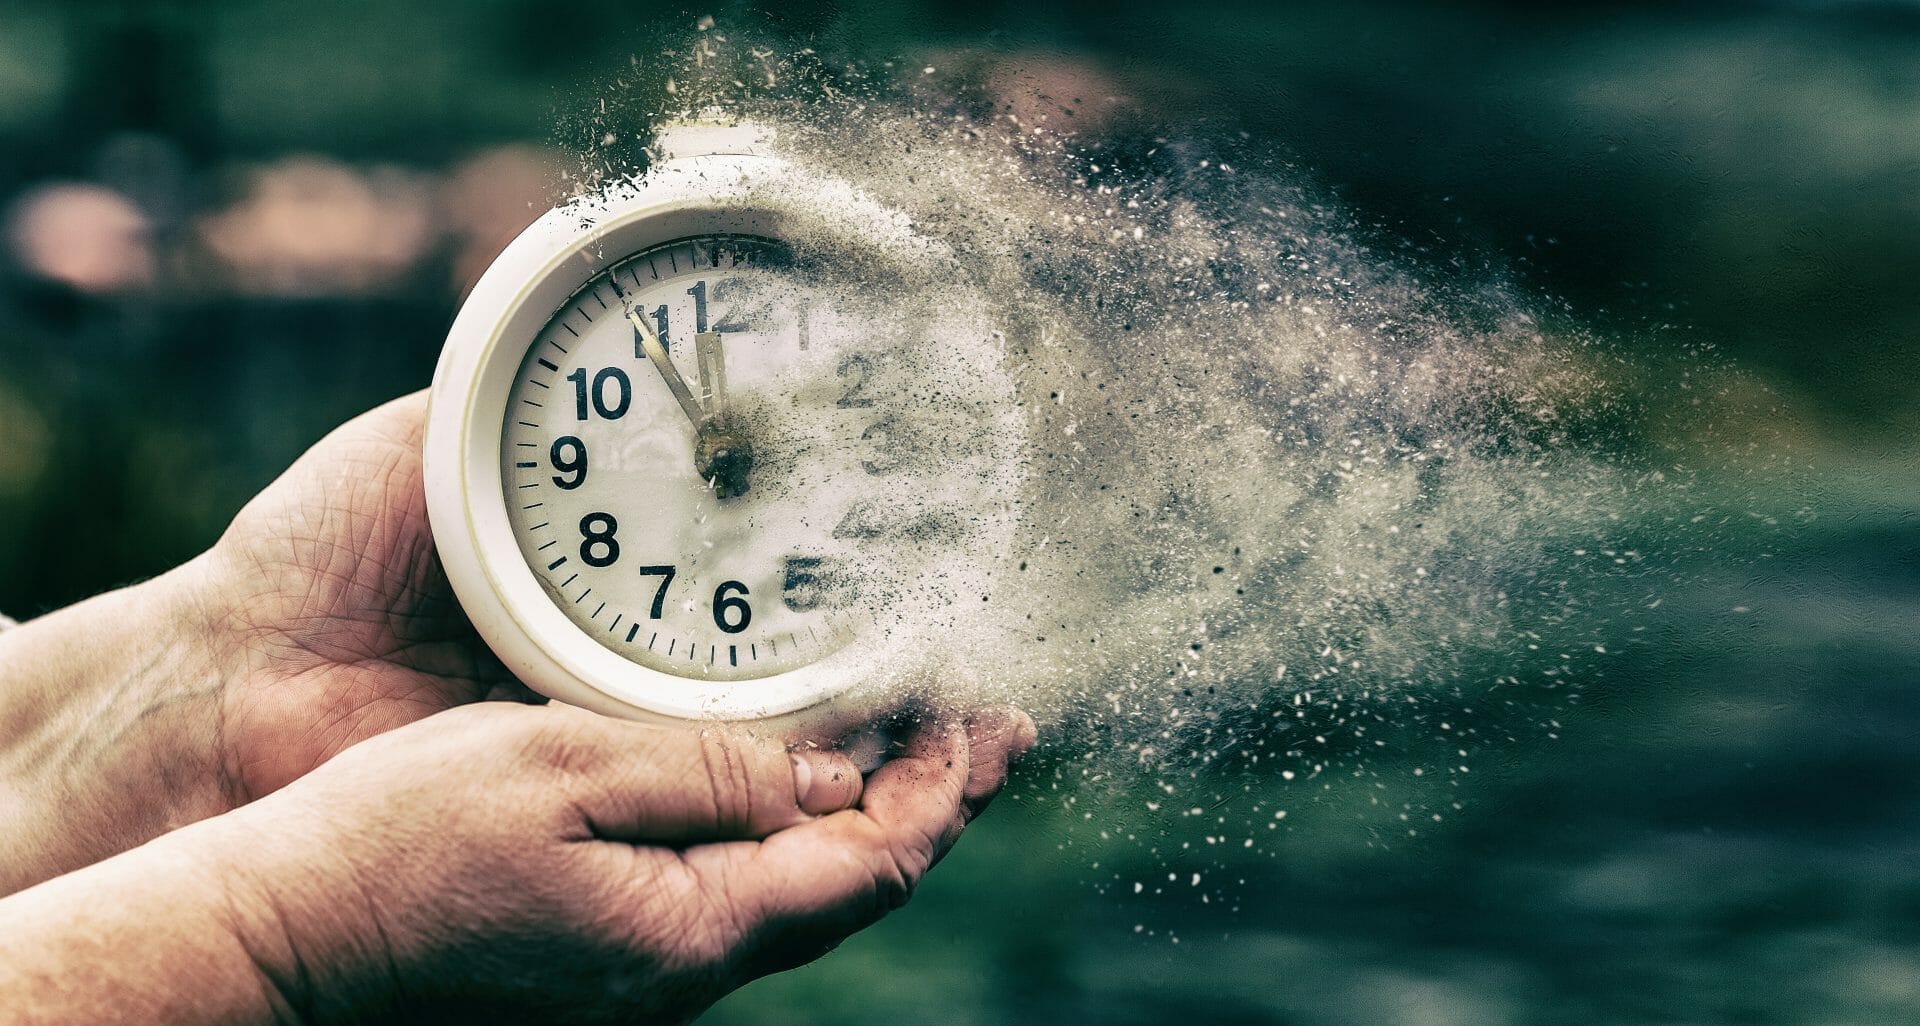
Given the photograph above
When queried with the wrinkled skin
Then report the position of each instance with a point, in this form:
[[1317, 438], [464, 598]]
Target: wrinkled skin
[[346, 629], [334, 619], [384, 846], [320, 618], [506, 863], [339, 625]]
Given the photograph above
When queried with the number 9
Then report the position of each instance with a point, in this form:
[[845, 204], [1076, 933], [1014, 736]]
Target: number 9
[[574, 464]]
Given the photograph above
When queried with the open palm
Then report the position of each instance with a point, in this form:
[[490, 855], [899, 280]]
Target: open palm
[[335, 619]]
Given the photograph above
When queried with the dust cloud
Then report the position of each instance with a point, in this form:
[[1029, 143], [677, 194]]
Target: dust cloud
[[1290, 483]]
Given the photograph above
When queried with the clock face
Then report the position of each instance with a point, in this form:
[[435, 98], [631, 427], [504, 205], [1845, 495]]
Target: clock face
[[726, 463]]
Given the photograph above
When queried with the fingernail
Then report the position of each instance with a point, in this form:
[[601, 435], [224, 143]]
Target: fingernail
[[825, 782], [802, 778]]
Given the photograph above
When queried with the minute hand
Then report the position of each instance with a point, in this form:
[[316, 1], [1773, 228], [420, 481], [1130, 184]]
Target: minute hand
[[649, 343]]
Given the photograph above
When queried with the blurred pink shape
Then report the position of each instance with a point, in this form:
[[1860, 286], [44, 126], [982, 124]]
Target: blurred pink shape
[[1040, 88], [85, 236], [309, 226]]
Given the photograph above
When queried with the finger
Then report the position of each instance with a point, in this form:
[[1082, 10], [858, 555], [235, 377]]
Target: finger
[[863, 862], [923, 787], [366, 449], [400, 421], [636, 782], [825, 781], [801, 891], [997, 737]]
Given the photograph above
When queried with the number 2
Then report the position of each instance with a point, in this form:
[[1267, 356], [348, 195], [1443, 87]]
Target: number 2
[[858, 368]]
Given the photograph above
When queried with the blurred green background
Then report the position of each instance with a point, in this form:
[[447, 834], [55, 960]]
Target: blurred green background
[[231, 226]]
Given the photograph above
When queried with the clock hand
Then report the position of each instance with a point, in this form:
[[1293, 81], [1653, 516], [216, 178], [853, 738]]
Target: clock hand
[[721, 454], [649, 343], [712, 361]]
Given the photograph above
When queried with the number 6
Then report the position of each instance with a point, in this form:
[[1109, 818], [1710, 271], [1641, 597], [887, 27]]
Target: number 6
[[724, 604]]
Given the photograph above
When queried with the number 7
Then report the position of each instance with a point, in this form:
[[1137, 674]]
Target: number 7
[[665, 573]]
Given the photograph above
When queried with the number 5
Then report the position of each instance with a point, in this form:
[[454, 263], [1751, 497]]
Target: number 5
[[812, 582]]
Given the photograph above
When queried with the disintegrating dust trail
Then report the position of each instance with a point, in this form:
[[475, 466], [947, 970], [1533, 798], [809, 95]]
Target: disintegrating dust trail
[[1281, 484]]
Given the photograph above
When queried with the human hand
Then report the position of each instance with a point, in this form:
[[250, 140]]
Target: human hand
[[518, 863], [321, 617], [327, 614]]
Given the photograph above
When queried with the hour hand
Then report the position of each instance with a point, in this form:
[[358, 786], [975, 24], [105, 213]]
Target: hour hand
[[722, 455], [722, 452], [711, 359]]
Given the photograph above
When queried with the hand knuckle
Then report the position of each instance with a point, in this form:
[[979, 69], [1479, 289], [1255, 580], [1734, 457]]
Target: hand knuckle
[[549, 747], [895, 875], [730, 778]]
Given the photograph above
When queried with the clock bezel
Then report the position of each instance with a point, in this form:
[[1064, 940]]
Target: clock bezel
[[535, 276]]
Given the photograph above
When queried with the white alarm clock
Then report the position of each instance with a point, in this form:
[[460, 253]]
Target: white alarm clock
[[730, 442]]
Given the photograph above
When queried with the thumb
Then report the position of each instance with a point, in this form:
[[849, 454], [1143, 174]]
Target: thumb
[[673, 785]]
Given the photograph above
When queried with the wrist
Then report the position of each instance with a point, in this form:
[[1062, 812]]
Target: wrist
[[296, 905], [150, 935], [109, 727]]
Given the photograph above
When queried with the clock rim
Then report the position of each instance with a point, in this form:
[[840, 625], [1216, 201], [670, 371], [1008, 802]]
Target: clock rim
[[535, 276]]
